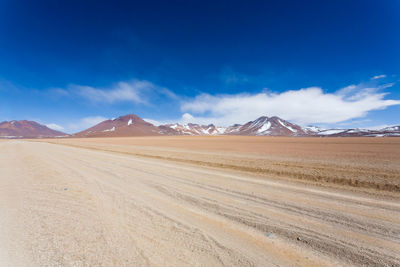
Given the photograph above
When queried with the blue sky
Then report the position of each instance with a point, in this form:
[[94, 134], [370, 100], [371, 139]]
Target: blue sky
[[73, 63]]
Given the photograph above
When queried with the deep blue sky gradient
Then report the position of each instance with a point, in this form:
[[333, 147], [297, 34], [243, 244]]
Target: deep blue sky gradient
[[189, 47]]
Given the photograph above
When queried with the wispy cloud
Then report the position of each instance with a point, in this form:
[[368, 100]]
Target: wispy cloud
[[379, 77], [122, 91], [6, 86], [303, 106], [135, 91]]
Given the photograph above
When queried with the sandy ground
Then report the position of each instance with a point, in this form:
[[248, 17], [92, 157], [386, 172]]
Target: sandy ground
[[73, 206], [359, 163]]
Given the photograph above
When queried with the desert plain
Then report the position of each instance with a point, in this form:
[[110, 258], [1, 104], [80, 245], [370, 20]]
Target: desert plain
[[200, 201]]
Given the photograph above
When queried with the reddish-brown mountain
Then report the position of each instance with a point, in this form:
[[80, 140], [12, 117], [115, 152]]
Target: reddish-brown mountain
[[273, 126], [26, 129], [128, 125]]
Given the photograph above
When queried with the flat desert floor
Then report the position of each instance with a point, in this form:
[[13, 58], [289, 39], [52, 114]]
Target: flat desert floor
[[202, 201]]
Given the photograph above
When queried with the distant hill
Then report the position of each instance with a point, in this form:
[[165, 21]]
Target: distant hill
[[128, 125], [27, 129]]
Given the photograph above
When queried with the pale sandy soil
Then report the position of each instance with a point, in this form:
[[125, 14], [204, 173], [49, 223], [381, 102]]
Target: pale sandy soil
[[361, 163], [68, 205]]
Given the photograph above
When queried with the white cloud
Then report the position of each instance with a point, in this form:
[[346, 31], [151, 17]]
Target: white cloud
[[134, 91], [84, 123], [121, 91], [378, 77], [187, 117], [55, 127], [303, 106]]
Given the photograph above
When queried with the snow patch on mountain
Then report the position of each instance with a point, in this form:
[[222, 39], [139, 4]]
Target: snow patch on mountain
[[331, 131], [287, 126], [110, 130], [265, 127]]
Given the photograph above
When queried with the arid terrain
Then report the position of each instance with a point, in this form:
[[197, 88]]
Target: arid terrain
[[203, 201]]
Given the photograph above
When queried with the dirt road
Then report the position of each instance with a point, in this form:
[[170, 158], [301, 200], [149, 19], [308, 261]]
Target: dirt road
[[62, 205]]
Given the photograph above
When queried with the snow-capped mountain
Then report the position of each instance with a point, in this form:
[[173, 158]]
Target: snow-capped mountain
[[128, 125], [27, 129], [391, 129], [261, 126], [355, 132], [191, 129], [273, 126]]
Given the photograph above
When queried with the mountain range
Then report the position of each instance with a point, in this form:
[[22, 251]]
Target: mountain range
[[132, 125]]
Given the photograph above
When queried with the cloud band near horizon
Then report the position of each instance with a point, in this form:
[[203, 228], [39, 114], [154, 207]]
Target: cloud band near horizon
[[304, 106]]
